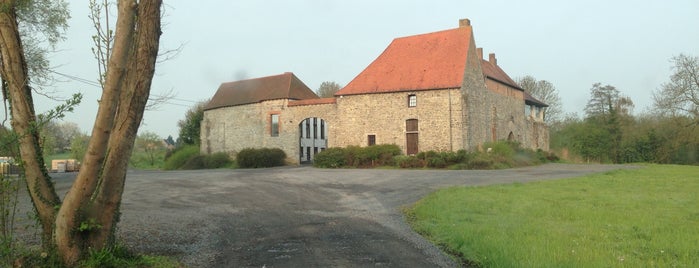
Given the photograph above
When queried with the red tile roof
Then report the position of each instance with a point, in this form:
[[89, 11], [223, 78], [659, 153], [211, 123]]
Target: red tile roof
[[421, 62], [312, 102], [496, 73], [283, 86]]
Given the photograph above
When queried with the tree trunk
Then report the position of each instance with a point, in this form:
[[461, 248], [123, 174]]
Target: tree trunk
[[16, 88], [87, 217], [132, 104], [95, 197]]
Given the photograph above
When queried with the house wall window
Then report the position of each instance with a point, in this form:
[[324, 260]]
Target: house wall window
[[412, 100], [274, 130], [371, 140]]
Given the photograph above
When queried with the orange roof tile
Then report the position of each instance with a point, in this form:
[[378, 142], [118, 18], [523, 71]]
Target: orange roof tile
[[283, 86], [420, 62]]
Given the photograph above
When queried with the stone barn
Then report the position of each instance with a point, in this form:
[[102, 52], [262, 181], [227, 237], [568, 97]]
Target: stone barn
[[425, 92]]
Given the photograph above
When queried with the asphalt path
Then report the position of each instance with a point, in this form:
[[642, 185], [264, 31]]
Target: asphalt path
[[295, 216]]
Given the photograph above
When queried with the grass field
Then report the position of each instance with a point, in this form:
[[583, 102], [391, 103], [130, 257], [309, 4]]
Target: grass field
[[647, 217]]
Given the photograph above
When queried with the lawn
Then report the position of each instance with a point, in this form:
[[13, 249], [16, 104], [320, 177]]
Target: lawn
[[647, 217]]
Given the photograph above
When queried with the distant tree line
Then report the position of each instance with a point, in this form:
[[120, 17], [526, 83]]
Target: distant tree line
[[609, 132]]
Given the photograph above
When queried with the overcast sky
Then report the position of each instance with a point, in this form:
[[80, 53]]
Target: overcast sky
[[572, 44]]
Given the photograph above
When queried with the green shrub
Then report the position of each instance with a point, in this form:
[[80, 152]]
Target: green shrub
[[331, 158], [378, 155], [481, 161], [180, 156], [218, 160], [355, 156], [501, 149], [194, 162], [408, 161], [436, 162], [260, 157]]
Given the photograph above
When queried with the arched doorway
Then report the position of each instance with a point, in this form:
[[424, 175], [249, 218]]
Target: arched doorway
[[511, 136], [313, 138]]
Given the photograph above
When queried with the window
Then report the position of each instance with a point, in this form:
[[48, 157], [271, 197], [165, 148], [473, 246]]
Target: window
[[315, 128], [308, 129], [412, 100], [322, 129], [371, 140], [274, 131]]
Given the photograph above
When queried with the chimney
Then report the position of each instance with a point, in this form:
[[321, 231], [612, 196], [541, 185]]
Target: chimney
[[464, 22], [492, 59], [480, 53]]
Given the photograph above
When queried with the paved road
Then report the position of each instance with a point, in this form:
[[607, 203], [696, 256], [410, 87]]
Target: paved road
[[295, 216]]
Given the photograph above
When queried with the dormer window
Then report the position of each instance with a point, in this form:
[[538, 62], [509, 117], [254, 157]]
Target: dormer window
[[412, 100]]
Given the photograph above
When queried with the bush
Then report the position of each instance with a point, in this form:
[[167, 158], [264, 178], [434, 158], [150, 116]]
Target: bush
[[355, 156], [180, 156], [331, 158], [260, 157], [406, 161], [480, 161], [218, 160], [194, 162], [378, 155]]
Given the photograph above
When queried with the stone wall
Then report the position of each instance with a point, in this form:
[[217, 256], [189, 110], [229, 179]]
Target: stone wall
[[507, 115], [475, 104], [384, 115], [231, 129]]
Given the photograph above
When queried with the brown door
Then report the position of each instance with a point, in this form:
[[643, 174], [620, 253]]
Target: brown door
[[411, 142]]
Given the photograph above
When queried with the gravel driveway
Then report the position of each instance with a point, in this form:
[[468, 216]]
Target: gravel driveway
[[294, 216]]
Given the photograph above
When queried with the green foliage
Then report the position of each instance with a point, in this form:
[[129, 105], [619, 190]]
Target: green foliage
[[180, 156], [119, 256], [501, 155], [405, 161], [616, 219], [9, 193], [151, 146], [646, 138], [260, 157], [89, 225], [331, 158], [190, 126], [217, 160], [78, 146], [355, 156]]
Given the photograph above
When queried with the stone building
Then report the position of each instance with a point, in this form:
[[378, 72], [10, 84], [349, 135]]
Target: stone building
[[431, 91]]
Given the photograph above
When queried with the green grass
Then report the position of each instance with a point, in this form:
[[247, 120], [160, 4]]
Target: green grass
[[647, 217]]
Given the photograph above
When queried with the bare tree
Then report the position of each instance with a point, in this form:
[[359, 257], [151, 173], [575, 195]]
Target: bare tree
[[680, 96], [607, 100], [327, 89], [104, 42], [88, 214], [150, 143], [544, 91]]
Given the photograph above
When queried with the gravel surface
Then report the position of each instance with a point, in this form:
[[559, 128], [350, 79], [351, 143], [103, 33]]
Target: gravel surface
[[294, 216]]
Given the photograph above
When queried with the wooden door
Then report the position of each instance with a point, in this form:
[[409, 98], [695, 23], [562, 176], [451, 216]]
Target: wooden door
[[411, 143]]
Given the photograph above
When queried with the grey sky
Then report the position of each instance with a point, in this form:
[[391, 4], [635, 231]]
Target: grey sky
[[572, 44]]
